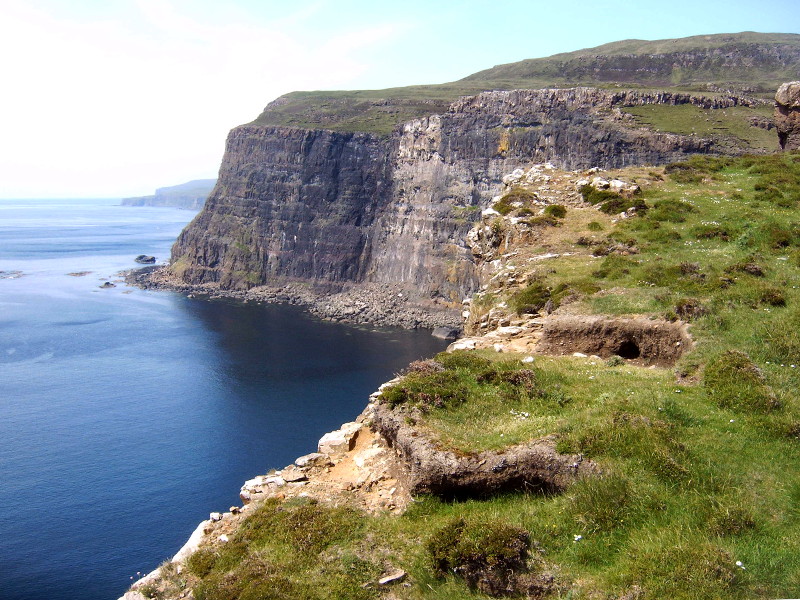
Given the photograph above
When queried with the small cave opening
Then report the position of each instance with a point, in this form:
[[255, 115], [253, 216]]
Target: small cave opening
[[629, 350], [646, 341]]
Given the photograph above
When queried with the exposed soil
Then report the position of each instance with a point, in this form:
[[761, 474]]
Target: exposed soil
[[429, 469], [645, 341]]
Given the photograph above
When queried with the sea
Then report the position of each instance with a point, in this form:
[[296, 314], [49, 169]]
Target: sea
[[127, 416]]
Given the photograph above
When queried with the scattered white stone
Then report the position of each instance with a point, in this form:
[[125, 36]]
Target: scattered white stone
[[365, 457], [509, 330], [616, 185], [514, 177], [392, 577], [339, 441], [192, 543], [528, 360], [579, 355], [498, 348], [544, 256], [462, 344], [215, 516], [255, 482], [387, 384], [313, 459], [275, 480], [223, 538], [292, 474]]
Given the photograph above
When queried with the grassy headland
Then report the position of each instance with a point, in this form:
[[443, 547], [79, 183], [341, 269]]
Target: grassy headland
[[751, 63], [700, 491]]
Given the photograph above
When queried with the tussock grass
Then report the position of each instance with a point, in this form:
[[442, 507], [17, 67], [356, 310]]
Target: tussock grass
[[700, 489]]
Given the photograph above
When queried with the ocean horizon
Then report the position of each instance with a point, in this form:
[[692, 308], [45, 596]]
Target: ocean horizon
[[129, 415]]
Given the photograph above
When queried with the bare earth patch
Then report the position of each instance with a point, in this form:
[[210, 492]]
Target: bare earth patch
[[647, 341]]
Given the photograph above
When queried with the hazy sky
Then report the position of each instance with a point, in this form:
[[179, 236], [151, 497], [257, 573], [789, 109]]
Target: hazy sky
[[118, 97]]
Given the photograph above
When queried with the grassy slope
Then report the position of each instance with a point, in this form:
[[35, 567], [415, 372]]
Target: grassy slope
[[731, 126], [579, 66], [698, 475], [377, 111]]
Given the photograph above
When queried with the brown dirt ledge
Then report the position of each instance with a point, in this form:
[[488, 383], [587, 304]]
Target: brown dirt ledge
[[641, 340], [430, 469]]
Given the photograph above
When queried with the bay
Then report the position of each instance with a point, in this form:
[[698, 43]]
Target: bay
[[129, 415]]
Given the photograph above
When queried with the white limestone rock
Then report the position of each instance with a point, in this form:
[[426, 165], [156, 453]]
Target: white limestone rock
[[315, 459], [192, 543], [462, 344], [338, 442]]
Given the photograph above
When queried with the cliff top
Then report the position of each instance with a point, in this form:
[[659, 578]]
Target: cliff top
[[594, 278], [755, 63]]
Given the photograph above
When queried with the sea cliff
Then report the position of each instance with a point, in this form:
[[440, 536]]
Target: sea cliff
[[333, 209]]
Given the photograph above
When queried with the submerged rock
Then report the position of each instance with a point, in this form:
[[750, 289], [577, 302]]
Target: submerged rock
[[446, 333], [144, 259]]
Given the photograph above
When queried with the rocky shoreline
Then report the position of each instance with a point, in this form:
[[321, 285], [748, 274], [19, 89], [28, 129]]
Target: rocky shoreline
[[380, 304], [353, 466]]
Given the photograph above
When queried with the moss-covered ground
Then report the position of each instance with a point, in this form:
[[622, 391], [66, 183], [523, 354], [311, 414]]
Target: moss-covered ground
[[700, 492]]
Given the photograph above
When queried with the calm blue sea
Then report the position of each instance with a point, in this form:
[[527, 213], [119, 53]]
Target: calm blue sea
[[128, 416]]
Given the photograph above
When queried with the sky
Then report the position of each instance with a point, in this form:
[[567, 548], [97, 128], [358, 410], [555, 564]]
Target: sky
[[113, 98]]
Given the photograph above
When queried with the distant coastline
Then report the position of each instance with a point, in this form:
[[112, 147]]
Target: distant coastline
[[191, 195]]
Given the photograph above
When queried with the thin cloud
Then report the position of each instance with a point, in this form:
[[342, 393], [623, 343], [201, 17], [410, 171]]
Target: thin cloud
[[119, 106]]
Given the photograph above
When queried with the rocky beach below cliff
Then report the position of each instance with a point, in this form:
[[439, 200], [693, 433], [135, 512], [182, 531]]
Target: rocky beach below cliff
[[391, 305]]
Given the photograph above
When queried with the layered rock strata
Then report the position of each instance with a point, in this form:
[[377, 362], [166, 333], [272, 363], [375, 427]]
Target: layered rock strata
[[330, 208], [429, 469], [787, 115]]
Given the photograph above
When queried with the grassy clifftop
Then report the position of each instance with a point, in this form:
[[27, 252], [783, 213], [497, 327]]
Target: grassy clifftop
[[754, 62], [699, 491]]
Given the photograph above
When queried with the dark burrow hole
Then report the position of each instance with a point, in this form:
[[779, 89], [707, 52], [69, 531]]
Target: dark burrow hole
[[629, 349]]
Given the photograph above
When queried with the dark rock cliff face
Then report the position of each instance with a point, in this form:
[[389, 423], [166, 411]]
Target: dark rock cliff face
[[327, 207], [289, 203]]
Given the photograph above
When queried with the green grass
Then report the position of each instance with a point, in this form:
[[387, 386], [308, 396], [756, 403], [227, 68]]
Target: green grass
[[730, 127], [630, 63], [699, 495]]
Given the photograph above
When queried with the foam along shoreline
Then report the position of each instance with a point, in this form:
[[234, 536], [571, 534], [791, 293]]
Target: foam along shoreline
[[352, 465]]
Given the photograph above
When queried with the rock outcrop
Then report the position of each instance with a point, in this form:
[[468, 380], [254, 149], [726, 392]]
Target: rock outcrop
[[429, 469], [330, 207], [787, 115]]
